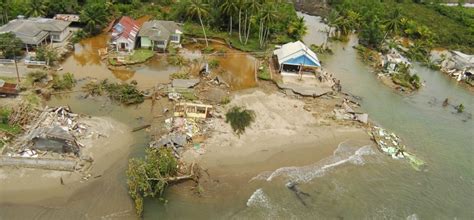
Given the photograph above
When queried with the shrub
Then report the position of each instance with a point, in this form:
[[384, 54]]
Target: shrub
[[148, 177], [239, 118], [64, 82], [213, 63]]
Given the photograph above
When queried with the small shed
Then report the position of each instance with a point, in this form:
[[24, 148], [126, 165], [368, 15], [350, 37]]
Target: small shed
[[8, 89], [294, 56]]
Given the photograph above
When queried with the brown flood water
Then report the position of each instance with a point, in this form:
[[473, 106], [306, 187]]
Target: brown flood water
[[86, 62], [236, 68]]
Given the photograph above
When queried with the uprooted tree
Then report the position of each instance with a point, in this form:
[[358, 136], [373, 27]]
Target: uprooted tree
[[239, 118], [149, 177]]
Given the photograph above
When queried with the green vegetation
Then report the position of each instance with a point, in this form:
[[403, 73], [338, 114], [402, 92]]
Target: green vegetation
[[63, 82], [149, 177], [427, 25], [256, 23], [173, 57], [264, 73], [78, 36], [140, 56], [36, 77], [4, 122], [179, 75], [405, 79], [239, 118], [460, 108], [47, 53], [10, 45], [126, 93], [213, 64]]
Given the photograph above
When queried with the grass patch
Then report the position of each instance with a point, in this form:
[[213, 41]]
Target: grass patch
[[239, 118], [140, 56], [9, 79], [4, 125], [264, 73]]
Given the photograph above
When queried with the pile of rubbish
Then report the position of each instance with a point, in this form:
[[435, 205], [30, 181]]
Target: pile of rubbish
[[392, 61], [345, 112], [456, 64], [390, 144], [55, 130], [182, 128]]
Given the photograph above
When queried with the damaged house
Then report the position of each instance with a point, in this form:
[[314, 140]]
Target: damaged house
[[157, 35], [55, 139], [124, 34]]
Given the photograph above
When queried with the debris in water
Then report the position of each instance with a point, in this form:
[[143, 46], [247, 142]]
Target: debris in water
[[390, 144]]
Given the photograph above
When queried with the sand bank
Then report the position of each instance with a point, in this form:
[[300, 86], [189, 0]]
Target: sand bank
[[29, 185], [282, 125]]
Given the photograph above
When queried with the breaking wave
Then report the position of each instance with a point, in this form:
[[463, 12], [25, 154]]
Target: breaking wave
[[342, 155], [258, 199]]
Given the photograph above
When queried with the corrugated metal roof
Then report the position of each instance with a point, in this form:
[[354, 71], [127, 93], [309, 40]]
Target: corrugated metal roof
[[126, 28], [159, 29], [294, 50], [34, 30]]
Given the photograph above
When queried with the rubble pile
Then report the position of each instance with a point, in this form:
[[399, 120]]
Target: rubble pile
[[56, 130], [183, 129], [390, 144], [346, 112], [458, 65]]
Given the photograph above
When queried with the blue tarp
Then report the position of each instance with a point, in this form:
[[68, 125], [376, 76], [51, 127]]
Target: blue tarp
[[302, 60]]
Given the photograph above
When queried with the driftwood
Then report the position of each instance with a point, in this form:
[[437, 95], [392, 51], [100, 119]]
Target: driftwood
[[141, 127]]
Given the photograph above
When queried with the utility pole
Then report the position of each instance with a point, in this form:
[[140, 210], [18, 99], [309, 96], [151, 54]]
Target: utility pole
[[16, 67]]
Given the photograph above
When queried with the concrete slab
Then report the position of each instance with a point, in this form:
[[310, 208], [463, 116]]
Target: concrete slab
[[303, 90], [184, 83]]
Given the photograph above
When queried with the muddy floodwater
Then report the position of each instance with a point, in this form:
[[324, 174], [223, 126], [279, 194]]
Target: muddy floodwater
[[86, 62], [237, 68], [351, 180]]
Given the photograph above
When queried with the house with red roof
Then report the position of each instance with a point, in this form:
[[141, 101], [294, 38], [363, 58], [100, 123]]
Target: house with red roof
[[124, 34]]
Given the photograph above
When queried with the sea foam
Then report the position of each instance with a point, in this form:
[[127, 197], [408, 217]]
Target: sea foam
[[344, 154]]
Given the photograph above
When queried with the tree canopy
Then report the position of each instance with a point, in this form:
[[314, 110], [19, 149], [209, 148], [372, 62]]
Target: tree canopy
[[10, 45]]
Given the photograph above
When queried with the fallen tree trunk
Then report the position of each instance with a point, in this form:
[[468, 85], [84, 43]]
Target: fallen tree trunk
[[141, 127]]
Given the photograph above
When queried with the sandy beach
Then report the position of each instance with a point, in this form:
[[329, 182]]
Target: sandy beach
[[281, 125]]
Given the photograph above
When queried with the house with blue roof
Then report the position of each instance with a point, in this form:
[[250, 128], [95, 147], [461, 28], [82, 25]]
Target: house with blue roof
[[296, 56]]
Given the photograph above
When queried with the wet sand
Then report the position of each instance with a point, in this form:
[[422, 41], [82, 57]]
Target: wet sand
[[19, 185], [281, 125]]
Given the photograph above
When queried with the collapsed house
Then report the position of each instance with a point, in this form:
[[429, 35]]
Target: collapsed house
[[55, 130], [458, 65], [393, 60]]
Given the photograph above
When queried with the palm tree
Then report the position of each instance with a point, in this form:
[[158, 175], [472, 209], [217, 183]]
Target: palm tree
[[297, 28], [267, 17], [36, 8], [394, 22], [229, 7], [241, 4], [93, 15], [253, 7], [199, 9]]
